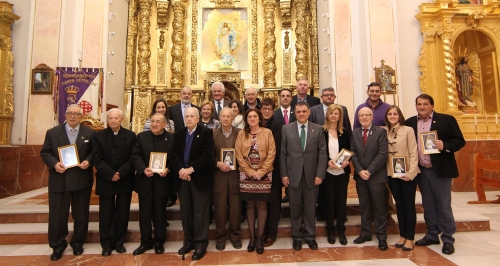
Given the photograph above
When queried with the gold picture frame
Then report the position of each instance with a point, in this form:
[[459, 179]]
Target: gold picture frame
[[68, 155], [342, 156], [428, 142], [42, 79], [228, 156], [158, 162], [399, 166]]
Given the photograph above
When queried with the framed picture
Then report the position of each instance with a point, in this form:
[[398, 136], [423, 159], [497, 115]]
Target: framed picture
[[342, 156], [68, 155], [158, 162], [428, 142], [227, 156], [42, 79], [399, 166]]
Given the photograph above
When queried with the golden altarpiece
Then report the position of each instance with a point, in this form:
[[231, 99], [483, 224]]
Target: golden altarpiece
[[265, 44], [459, 62]]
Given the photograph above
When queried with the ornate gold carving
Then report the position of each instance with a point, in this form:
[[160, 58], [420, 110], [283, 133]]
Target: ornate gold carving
[[162, 14], [474, 19], [161, 39], [286, 39], [287, 67], [224, 3], [449, 65], [131, 44], [301, 44], [160, 67], [234, 90], [142, 101], [269, 44], [286, 14], [178, 27], [422, 59], [314, 45], [273, 94], [194, 42], [144, 42], [94, 123], [255, 45]]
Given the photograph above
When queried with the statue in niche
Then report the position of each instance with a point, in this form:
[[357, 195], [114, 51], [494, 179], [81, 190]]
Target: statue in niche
[[385, 81], [226, 44], [162, 39], [465, 84]]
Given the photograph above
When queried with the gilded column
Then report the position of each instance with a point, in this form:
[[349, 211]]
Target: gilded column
[[130, 61], [314, 45], [144, 41], [7, 18], [301, 44], [269, 44], [178, 31], [449, 65]]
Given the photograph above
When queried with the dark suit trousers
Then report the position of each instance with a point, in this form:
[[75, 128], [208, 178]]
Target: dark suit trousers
[[335, 201], [372, 195], [114, 212], [59, 203], [228, 200], [274, 207], [404, 195], [303, 207], [436, 199], [195, 208], [152, 209]]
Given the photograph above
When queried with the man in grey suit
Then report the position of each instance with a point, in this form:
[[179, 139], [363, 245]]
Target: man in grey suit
[[369, 144], [303, 161], [218, 91]]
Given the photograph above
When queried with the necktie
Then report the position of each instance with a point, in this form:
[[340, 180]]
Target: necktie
[[303, 136], [184, 107], [365, 136], [190, 132], [285, 116], [219, 108]]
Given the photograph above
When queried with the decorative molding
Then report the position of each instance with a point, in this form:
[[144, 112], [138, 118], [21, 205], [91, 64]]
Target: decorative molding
[[474, 19], [162, 14], [144, 42], [314, 44], [131, 44], [286, 14], [255, 45], [178, 43], [269, 44], [226, 3], [302, 36], [194, 43]]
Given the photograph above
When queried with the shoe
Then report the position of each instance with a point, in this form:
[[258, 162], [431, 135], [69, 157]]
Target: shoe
[[251, 248], [331, 237], [167, 224], [382, 245], [312, 244], [297, 245], [170, 203], [426, 242], [284, 199], [260, 245], [106, 252], [220, 245], [141, 249], [237, 244], [398, 245], [448, 249], [408, 249], [362, 239], [159, 249], [185, 250], [77, 250], [56, 255], [198, 254], [268, 242], [390, 221], [342, 238], [320, 218], [121, 249]]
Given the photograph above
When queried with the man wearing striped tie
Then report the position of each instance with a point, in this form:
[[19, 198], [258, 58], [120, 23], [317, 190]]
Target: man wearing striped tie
[[218, 91]]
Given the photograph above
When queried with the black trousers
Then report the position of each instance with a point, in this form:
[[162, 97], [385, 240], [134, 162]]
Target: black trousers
[[274, 207], [404, 195], [152, 214], [195, 208], [335, 201], [59, 203], [114, 213]]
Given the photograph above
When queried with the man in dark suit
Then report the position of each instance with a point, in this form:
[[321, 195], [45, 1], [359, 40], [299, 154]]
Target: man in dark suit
[[369, 145], [112, 148], [303, 161], [218, 91], [318, 116], [194, 150], [152, 187], [274, 204], [68, 185], [302, 96], [176, 113], [437, 171]]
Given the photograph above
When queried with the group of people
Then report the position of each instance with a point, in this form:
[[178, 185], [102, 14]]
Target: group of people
[[223, 153]]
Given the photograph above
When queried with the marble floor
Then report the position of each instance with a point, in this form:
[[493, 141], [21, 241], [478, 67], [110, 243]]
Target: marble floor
[[472, 248]]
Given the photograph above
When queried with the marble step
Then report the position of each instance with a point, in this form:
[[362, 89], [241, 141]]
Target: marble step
[[39, 213], [36, 233]]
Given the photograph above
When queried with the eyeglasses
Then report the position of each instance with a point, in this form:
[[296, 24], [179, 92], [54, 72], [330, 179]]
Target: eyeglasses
[[265, 109], [365, 115], [73, 113], [329, 95]]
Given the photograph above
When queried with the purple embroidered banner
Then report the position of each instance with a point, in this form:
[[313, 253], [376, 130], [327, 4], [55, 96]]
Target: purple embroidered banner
[[72, 84]]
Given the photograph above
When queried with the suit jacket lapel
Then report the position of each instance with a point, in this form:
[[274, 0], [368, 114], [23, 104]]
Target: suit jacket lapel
[[63, 136], [309, 136], [295, 133], [80, 139]]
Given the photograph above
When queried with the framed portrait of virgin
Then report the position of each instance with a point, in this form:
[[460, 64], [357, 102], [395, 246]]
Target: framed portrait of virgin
[[68, 155], [158, 162]]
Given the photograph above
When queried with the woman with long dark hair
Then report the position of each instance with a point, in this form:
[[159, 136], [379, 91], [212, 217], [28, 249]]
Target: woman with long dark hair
[[160, 106]]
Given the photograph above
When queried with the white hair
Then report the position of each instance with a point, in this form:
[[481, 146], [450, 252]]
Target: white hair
[[194, 109], [120, 112], [74, 105], [218, 83]]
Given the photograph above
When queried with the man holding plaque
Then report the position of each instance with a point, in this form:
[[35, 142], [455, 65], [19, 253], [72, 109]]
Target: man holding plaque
[[437, 171], [68, 185], [112, 148], [152, 185]]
